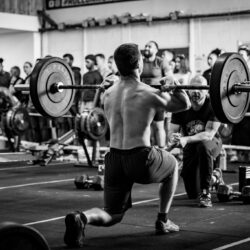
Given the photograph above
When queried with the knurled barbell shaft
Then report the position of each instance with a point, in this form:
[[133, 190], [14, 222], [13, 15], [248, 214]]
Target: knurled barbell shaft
[[236, 88], [79, 87]]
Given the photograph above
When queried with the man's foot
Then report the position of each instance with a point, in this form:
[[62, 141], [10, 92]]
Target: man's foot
[[205, 199], [75, 224], [165, 227], [217, 172]]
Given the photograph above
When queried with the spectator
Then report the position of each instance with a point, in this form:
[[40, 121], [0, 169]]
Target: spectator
[[112, 66], [152, 73], [181, 70], [201, 144], [244, 52], [4, 76], [168, 62], [101, 65], [211, 59], [16, 80], [92, 77]]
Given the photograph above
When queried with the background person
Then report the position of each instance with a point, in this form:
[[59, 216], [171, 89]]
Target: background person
[[4, 76], [211, 59], [152, 73], [92, 77], [200, 141], [181, 70]]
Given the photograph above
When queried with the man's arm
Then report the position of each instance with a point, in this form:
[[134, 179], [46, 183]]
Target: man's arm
[[209, 133], [175, 100]]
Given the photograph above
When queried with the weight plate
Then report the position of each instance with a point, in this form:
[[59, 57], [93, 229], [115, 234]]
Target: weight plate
[[228, 70], [15, 236], [46, 73], [17, 120], [96, 124]]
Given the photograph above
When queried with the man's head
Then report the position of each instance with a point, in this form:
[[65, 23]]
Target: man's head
[[167, 55], [212, 57], [27, 68], [128, 59], [198, 96], [151, 49], [68, 58], [100, 60], [111, 65], [244, 52], [90, 61], [15, 71]]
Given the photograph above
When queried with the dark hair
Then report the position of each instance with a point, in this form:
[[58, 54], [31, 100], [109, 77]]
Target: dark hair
[[100, 55], [90, 57], [69, 56], [17, 70], [29, 63], [1, 60], [127, 58], [155, 43], [245, 48], [216, 51]]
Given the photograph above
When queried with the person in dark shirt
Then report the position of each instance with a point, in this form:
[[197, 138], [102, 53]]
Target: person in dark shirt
[[92, 77], [4, 76], [152, 73], [211, 59], [77, 77], [201, 144], [16, 80]]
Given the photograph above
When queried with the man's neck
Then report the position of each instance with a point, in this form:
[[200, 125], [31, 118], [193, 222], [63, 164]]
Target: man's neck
[[134, 77]]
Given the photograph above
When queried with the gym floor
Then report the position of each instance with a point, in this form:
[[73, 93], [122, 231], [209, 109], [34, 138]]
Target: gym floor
[[41, 197]]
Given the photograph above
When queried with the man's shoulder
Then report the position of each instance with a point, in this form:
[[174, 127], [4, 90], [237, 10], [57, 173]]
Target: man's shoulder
[[76, 69]]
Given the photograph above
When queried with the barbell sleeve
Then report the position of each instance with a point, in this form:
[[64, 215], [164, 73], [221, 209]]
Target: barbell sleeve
[[22, 87]]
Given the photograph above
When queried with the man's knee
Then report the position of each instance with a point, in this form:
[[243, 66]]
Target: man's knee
[[115, 218]]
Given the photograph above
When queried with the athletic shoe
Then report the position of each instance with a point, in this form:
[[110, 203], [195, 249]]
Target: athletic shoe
[[217, 172], [165, 227], [75, 225], [205, 199]]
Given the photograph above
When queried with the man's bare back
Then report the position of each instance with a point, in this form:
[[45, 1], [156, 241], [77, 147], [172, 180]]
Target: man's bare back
[[130, 107]]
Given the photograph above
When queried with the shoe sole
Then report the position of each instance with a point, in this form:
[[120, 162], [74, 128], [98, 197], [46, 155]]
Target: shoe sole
[[71, 231], [160, 232]]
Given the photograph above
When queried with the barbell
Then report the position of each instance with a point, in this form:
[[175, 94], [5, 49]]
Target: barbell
[[52, 87]]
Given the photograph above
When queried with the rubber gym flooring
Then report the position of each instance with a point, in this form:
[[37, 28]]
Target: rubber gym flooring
[[40, 196]]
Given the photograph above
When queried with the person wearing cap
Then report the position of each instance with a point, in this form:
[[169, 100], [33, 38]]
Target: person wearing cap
[[92, 77]]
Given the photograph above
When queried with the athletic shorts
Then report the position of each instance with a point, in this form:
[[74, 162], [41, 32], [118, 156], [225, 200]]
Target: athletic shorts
[[123, 168], [160, 115]]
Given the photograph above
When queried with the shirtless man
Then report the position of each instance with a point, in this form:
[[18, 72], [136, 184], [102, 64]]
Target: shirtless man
[[130, 107]]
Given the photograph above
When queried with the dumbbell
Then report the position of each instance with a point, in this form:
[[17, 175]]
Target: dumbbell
[[89, 182], [225, 193]]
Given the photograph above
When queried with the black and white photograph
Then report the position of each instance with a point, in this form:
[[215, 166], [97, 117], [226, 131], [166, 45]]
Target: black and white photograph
[[124, 124]]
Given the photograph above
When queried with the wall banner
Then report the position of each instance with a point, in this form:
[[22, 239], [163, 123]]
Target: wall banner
[[58, 4]]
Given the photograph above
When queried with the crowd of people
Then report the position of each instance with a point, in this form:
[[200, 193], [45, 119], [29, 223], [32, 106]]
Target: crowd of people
[[155, 68]]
